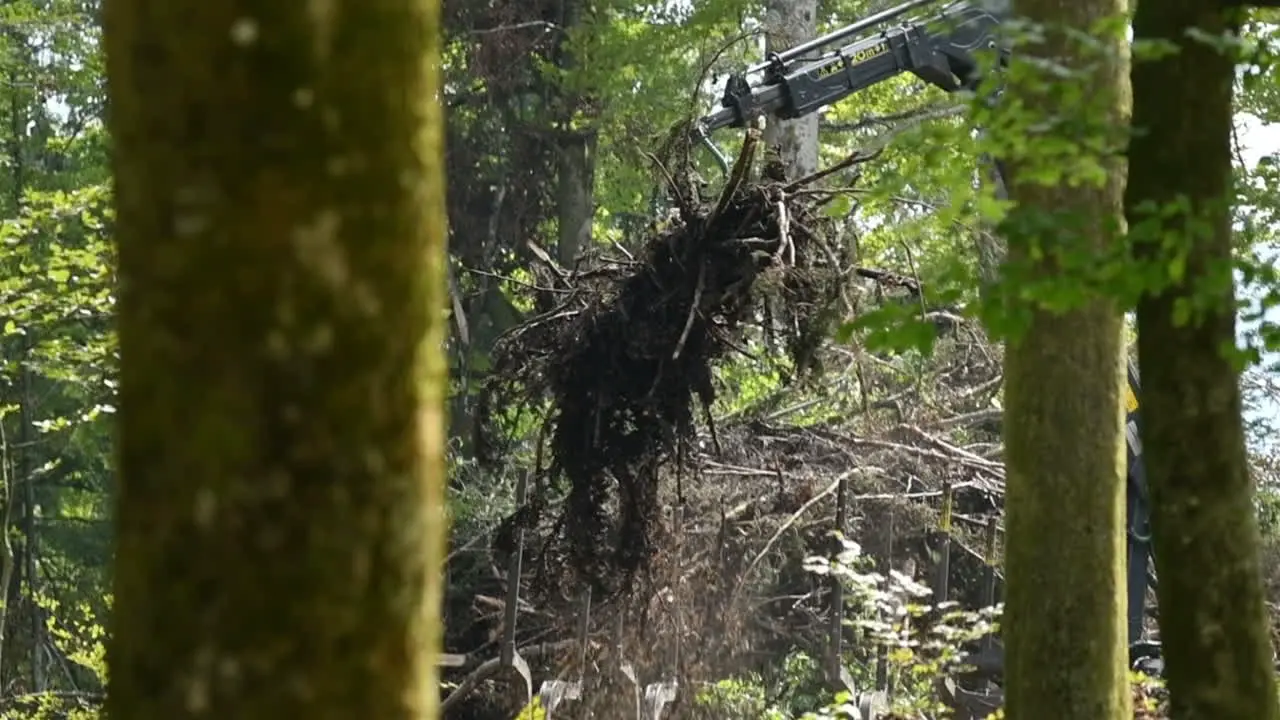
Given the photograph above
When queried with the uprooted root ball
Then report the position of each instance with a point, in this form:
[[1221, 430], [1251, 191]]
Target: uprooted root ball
[[623, 358]]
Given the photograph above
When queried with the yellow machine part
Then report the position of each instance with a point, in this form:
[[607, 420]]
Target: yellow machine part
[[532, 711]]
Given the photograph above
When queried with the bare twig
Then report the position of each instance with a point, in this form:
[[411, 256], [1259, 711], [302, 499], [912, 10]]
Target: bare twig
[[948, 447], [685, 204], [540, 24], [469, 544], [986, 387], [515, 281], [858, 157], [968, 419], [545, 257], [955, 455], [693, 311], [890, 120], [785, 246], [715, 56], [711, 467]]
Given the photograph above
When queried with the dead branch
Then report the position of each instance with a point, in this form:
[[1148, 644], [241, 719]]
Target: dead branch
[[741, 170], [491, 667]]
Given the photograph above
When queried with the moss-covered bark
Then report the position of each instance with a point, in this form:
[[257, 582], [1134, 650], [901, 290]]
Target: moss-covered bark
[[281, 240], [1064, 623], [1212, 617]]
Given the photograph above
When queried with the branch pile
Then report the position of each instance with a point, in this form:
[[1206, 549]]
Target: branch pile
[[729, 594], [622, 359]]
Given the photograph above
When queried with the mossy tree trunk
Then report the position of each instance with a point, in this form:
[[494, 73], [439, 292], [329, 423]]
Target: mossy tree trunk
[[1212, 615], [281, 246], [1064, 622]]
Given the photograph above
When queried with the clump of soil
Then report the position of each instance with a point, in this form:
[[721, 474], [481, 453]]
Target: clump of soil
[[619, 363]]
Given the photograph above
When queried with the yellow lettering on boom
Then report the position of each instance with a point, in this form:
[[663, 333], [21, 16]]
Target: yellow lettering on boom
[[861, 56], [831, 69], [856, 57]]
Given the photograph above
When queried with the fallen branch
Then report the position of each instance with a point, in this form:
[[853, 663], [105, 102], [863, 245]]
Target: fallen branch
[[489, 668], [711, 467], [986, 387], [966, 459], [948, 447], [969, 419]]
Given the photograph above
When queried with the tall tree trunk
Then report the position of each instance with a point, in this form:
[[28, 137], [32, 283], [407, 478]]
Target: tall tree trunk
[[30, 535], [8, 558], [789, 23], [281, 245], [30, 510], [1064, 623], [1213, 618], [575, 165], [24, 496]]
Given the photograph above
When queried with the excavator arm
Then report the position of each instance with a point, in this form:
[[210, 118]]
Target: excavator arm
[[941, 50]]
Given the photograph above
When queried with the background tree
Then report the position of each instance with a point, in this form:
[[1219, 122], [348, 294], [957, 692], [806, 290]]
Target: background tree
[[1064, 628], [1212, 608], [280, 198], [58, 349], [789, 23]]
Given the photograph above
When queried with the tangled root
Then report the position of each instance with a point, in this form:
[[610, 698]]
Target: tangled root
[[620, 362]]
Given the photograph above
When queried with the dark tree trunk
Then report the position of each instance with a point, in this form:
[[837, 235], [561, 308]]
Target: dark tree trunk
[[1213, 618]]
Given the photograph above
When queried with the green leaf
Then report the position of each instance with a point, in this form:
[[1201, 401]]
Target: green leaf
[[845, 332], [839, 207]]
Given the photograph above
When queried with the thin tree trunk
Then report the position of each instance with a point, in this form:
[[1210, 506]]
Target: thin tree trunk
[[1213, 618], [8, 558], [575, 162], [25, 569], [791, 22], [281, 221], [30, 534], [1064, 620], [575, 206]]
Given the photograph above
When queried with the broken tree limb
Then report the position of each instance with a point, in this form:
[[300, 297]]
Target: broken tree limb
[[738, 176], [491, 667]]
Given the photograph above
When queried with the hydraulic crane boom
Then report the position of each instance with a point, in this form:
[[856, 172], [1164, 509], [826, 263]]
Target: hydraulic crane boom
[[943, 51]]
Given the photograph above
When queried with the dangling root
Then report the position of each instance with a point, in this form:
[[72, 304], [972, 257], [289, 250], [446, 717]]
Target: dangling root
[[623, 358]]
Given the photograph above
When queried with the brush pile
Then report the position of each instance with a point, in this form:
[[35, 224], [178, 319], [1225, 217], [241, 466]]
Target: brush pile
[[617, 367]]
